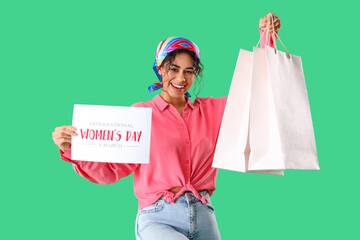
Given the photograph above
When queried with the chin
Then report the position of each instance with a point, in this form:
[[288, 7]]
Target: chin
[[177, 95]]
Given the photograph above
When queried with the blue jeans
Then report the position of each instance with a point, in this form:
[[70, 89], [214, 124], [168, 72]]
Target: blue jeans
[[187, 218]]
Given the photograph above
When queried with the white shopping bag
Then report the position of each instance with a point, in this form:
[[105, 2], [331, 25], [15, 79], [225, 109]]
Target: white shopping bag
[[232, 149], [271, 91], [281, 130]]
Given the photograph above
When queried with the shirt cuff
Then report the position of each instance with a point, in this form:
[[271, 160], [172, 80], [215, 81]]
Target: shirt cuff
[[66, 156]]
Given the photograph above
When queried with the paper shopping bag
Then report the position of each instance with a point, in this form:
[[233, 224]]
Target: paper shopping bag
[[281, 130], [232, 149]]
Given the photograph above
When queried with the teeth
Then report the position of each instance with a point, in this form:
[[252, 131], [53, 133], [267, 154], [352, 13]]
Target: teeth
[[177, 86]]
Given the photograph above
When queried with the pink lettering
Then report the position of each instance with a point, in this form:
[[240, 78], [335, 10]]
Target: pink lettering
[[92, 134], [118, 136], [139, 135], [84, 134], [128, 135]]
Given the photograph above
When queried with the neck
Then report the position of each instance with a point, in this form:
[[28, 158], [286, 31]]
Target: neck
[[178, 103]]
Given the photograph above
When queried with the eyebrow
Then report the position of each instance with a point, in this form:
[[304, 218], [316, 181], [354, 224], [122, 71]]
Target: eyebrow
[[179, 66]]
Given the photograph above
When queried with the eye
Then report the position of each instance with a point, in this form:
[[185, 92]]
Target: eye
[[189, 72], [174, 69]]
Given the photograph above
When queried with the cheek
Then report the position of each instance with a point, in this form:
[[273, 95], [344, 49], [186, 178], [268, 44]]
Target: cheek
[[190, 82], [165, 80]]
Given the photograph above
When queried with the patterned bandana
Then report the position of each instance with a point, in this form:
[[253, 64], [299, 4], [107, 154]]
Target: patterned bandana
[[166, 46]]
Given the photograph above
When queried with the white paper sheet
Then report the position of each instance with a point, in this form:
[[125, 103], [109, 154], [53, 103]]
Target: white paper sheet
[[111, 134]]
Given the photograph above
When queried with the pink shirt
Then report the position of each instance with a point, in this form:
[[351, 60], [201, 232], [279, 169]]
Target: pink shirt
[[181, 154]]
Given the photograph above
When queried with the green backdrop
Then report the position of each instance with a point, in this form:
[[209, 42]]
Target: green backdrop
[[58, 53]]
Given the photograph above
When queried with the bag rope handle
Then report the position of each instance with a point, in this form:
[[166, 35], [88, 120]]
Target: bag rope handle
[[267, 31]]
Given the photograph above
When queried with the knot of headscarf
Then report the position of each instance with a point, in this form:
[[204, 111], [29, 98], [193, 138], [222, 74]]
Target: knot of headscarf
[[163, 49]]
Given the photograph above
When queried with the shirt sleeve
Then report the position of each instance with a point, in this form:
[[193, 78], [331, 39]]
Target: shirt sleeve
[[99, 172], [219, 104], [215, 106], [263, 39]]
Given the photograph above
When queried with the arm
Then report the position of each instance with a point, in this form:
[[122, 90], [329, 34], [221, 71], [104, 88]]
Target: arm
[[99, 172]]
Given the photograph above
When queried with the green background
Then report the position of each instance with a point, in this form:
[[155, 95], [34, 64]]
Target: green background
[[58, 53]]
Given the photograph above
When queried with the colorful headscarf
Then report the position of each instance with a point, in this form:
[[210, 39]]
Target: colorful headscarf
[[165, 47]]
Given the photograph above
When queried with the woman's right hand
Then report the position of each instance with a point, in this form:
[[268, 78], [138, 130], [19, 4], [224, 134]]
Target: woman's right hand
[[62, 136], [272, 17]]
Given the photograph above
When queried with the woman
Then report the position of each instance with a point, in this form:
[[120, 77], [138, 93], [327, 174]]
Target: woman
[[174, 189]]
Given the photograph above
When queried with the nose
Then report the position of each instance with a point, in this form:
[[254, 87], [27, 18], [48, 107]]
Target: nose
[[180, 76]]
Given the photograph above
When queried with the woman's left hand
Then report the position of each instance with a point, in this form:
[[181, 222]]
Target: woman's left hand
[[263, 22]]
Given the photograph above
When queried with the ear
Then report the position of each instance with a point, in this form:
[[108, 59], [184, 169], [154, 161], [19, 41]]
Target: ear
[[163, 69]]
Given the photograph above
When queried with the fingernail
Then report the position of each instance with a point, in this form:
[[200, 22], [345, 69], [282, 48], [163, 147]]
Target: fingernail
[[74, 134], [74, 129]]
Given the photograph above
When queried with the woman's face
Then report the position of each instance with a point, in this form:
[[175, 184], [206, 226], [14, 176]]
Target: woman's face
[[178, 80]]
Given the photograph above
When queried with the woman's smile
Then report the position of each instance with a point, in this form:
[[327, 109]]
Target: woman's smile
[[178, 87]]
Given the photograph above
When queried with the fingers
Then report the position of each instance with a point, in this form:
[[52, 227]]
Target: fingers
[[70, 130], [262, 22], [62, 136], [61, 140], [273, 20]]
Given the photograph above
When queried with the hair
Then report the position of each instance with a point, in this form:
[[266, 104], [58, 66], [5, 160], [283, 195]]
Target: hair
[[168, 60]]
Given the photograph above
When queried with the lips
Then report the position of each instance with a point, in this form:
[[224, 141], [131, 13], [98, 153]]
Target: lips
[[177, 86]]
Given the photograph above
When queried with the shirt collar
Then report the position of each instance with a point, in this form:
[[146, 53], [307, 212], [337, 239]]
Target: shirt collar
[[161, 104], [189, 102]]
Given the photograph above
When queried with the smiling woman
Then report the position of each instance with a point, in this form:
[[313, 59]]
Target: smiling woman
[[178, 76], [174, 189], [195, 68]]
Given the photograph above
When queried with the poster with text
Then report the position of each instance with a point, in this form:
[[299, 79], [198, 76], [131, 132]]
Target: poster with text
[[111, 134]]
